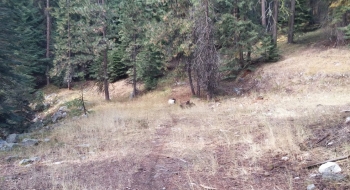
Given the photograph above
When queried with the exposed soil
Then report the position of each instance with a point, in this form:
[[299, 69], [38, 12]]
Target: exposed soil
[[160, 168], [156, 170]]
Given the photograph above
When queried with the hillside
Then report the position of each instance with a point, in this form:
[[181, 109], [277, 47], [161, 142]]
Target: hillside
[[287, 116]]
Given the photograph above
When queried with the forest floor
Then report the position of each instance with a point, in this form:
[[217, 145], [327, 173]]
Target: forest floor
[[288, 116]]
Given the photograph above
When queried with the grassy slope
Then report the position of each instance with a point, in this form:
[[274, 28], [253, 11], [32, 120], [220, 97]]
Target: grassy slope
[[235, 144]]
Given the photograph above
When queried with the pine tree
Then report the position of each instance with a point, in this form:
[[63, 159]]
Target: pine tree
[[84, 30], [20, 61], [65, 37], [132, 20], [151, 66], [173, 34], [48, 40], [30, 27], [240, 33], [98, 21], [294, 17], [117, 68]]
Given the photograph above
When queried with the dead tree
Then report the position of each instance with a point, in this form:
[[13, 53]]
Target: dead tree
[[205, 55]]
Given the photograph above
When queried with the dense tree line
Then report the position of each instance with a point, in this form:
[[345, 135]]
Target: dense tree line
[[62, 41]]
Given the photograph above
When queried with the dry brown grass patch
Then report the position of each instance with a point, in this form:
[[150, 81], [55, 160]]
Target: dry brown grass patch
[[238, 143]]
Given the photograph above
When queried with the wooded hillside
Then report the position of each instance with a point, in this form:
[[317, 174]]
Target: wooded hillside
[[65, 41]]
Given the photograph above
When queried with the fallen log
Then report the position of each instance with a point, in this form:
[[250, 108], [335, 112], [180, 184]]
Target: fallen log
[[332, 160], [323, 138]]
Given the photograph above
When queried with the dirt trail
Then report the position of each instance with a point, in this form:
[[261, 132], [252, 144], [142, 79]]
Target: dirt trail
[[236, 144], [158, 171]]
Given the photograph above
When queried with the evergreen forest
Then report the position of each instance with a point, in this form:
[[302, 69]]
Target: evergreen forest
[[61, 42]]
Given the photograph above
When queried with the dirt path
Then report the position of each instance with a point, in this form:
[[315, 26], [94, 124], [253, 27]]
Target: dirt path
[[157, 171]]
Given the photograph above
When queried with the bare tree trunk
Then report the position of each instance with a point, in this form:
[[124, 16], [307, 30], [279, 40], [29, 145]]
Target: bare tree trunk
[[205, 55], [134, 92], [198, 84], [189, 73], [210, 88], [249, 54], [47, 41], [241, 56], [82, 100], [105, 74], [263, 13], [291, 22], [237, 39], [69, 78], [69, 85], [275, 19], [105, 68], [105, 61]]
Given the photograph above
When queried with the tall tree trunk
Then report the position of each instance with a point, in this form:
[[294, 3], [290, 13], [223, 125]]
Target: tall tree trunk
[[105, 60], [263, 13], [291, 22], [249, 54], [237, 38], [134, 92], [68, 84], [69, 78], [47, 41], [207, 36], [275, 19], [105, 74], [198, 85], [189, 73], [241, 56]]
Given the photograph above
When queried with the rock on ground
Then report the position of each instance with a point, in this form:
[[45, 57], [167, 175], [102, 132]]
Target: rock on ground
[[329, 167], [29, 161], [30, 142], [4, 146], [12, 138], [311, 187]]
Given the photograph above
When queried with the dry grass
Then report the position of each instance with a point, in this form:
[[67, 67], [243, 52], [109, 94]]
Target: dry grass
[[231, 144]]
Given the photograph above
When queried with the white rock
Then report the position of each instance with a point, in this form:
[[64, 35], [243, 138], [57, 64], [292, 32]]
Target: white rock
[[171, 101], [285, 158], [329, 167], [3, 145], [333, 176], [311, 187], [238, 91], [35, 159], [312, 175], [347, 120], [29, 161], [25, 162], [63, 108]]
